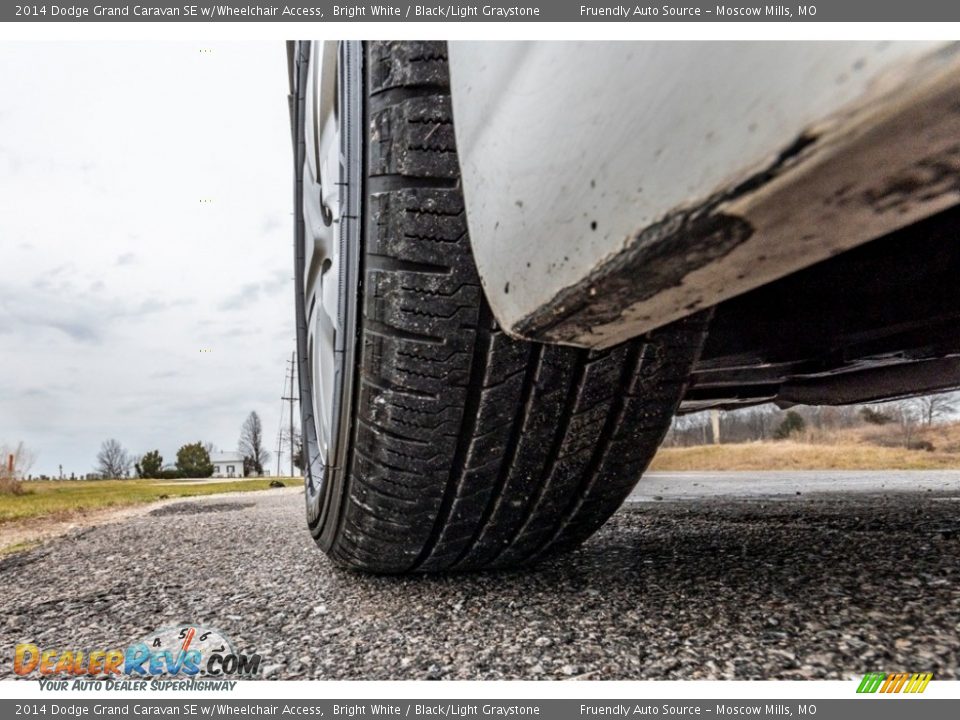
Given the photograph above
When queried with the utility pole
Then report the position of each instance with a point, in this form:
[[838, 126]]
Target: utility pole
[[291, 398], [283, 399], [715, 425], [279, 448], [293, 362]]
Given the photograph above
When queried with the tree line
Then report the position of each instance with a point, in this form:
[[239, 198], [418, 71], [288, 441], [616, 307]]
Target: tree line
[[768, 422], [193, 459]]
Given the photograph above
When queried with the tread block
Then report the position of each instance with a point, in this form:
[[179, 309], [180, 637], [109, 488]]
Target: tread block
[[414, 138], [396, 64]]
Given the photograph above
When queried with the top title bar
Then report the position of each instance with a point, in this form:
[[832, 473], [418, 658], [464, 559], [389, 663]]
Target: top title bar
[[440, 11]]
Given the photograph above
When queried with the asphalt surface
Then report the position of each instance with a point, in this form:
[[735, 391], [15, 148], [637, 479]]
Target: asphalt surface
[[752, 584], [780, 484]]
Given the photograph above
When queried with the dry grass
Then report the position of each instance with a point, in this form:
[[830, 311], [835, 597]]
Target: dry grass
[[10, 485], [63, 498], [869, 447], [789, 455]]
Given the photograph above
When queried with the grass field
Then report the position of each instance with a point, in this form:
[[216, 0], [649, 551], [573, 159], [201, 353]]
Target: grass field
[[868, 447], [788, 455], [62, 498]]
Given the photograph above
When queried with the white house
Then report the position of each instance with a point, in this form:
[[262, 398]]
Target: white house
[[227, 464]]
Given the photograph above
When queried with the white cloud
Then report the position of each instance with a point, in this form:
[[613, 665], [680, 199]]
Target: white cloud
[[115, 274]]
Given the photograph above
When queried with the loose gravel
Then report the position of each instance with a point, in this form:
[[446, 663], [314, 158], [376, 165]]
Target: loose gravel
[[814, 587]]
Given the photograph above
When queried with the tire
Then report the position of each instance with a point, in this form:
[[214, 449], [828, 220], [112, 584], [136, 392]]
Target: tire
[[468, 449]]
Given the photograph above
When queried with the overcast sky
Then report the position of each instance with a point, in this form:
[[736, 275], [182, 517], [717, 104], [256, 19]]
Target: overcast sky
[[114, 275]]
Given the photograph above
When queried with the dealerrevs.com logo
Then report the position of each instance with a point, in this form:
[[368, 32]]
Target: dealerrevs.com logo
[[170, 658]]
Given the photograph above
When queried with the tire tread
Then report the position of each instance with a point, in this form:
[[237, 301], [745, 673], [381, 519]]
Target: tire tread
[[472, 449]]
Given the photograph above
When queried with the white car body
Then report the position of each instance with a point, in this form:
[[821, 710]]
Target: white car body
[[614, 187]]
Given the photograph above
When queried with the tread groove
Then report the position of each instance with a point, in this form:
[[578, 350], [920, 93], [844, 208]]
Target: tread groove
[[394, 95], [554, 455], [478, 368], [375, 327], [613, 420], [519, 422], [388, 263], [388, 182]]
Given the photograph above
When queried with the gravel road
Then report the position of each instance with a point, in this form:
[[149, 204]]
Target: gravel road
[[811, 586]]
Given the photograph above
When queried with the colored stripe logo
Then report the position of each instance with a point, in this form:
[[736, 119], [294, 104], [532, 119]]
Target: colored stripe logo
[[895, 682]]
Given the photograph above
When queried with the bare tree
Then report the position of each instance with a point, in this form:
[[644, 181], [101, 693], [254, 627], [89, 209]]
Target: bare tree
[[759, 421], [907, 415], [255, 455], [113, 461], [16, 463], [688, 430], [934, 407], [23, 459]]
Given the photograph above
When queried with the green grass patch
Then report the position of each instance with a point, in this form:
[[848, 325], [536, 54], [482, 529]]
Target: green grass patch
[[18, 547], [52, 498]]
